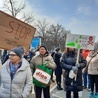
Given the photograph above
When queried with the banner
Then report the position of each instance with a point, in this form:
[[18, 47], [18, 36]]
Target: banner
[[35, 42], [14, 32]]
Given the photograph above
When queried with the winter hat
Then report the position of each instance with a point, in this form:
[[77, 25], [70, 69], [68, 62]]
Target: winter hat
[[57, 49], [32, 49], [43, 46], [19, 51]]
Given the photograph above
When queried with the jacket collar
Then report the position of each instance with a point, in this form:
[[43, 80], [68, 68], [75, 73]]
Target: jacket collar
[[24, 65], [43, 55]]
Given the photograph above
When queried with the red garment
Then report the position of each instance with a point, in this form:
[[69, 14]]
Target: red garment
[[85, 53]]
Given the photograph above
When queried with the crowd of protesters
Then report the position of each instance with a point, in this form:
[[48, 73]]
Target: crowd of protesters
[[16, 76]]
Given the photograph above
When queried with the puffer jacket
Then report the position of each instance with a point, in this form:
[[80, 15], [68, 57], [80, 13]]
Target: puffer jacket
[[39, 59], [21, 84], [67, 62], [93, 65]]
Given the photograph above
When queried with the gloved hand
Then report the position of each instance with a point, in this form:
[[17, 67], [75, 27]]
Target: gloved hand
[[75, 69], [77, 65], [46, 64]]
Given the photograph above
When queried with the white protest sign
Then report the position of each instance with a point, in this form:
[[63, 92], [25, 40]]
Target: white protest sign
[[80, 41]]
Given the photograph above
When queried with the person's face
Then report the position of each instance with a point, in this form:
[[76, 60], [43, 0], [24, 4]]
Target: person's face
[[71, 49], [14, 58], [59, 51], [91, 51], [42, 50]]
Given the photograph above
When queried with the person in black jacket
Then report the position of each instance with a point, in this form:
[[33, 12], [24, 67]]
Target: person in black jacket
[[58, 70], [68, 63], [4, 57]]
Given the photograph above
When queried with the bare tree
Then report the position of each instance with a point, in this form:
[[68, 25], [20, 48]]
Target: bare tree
[[57, 35], [42, 27], [51, 35], [15, 9]]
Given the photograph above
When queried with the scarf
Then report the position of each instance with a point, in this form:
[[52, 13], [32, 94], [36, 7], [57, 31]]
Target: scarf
[[13, 69]]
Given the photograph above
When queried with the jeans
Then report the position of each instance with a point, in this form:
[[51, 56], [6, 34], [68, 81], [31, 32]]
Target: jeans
[[89, 82], [86, 80]]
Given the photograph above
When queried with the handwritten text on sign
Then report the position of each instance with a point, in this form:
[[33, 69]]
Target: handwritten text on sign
[[14, 32]]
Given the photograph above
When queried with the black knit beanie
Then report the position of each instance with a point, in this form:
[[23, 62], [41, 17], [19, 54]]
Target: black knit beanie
[[43, 46], [19, 51]]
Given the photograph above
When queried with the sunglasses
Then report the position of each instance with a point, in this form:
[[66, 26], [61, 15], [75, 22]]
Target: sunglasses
[[12, 55]]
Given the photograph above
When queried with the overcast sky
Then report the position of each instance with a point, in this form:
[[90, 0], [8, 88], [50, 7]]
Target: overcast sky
[[78, 16]]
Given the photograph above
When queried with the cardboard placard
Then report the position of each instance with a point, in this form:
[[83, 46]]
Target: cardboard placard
[[14, 32]]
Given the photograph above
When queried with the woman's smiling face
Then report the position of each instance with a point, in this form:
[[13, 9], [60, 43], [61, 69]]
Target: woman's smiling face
[[42, 50]]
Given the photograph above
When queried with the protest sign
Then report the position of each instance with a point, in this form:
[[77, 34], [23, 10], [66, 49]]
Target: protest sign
[[14, 32], [80, 41]]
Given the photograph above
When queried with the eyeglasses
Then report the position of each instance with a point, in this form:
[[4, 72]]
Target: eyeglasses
[[12, 55]]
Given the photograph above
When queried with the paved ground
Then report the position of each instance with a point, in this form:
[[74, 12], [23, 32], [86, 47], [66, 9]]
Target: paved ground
[[61, 94]]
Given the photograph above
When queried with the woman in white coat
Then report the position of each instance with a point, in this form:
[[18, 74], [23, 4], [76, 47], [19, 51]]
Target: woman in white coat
[[15, 76]]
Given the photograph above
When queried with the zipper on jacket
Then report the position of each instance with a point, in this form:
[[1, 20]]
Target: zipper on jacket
[[11, 83], [42, 60], [11, 90]]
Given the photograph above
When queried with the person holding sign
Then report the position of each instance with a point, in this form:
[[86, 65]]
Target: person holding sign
[[73, 81], [15, 76], [44, 60]]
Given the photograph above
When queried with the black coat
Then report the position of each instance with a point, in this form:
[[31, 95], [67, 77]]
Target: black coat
[[58, 70], [67, 63]]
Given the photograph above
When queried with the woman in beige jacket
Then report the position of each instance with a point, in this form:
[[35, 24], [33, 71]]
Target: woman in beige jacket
[[92, 59], [42, 58]]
